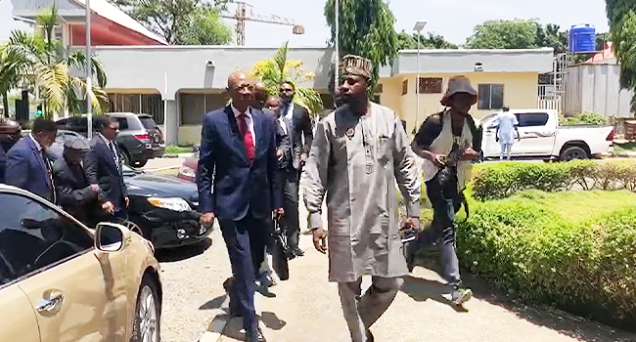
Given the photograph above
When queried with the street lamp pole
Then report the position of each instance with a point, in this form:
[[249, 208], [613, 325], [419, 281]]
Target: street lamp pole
[[337, 71], [89, 73], [419, 26]]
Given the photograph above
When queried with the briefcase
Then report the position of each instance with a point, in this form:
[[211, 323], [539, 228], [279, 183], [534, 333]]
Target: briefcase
[[281, 253]]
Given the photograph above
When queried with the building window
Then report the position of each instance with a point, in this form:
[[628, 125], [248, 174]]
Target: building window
[[491, 96], [405, 87], [151, 104], [430, 85]]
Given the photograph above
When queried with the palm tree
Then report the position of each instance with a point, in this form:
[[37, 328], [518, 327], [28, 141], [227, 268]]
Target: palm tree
[[278, 69], [52, 69], [12, 66]]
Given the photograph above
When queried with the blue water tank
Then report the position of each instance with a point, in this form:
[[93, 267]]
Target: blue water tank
[[582, 39]]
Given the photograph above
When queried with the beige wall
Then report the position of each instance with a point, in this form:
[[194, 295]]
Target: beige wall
[[520, 91]]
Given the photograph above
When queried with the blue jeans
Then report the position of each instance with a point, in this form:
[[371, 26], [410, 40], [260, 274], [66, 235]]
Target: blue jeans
[[445, 204]]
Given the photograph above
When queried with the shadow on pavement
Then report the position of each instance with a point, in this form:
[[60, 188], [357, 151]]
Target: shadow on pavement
[[565, 323], [234, 327], [215, 303], [183, 253]]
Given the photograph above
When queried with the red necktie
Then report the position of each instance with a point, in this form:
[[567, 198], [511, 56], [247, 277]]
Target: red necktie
[[248, 138]]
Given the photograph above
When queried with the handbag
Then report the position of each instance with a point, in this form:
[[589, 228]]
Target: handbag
[[281, 253]]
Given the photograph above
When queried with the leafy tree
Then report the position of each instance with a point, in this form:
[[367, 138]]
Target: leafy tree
[[365, 29], [46, 65], [622, 20], [274, 71], [551, 36], [504, 34], [407, 41], [181, 22]]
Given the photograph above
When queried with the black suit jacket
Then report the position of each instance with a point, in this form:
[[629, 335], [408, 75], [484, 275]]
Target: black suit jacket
[[101, 169], [74, 192], [302, 128], [239, 186]]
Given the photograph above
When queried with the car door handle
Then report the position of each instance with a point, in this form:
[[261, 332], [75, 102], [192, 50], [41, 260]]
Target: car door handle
[[48, 305]]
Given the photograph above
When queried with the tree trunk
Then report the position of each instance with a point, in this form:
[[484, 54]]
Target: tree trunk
[[5, 103]]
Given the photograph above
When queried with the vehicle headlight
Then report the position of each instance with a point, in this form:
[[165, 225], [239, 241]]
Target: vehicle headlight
[[176, 204], [187, 171]]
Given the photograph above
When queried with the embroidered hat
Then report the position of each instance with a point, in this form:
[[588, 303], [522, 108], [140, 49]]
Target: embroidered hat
[[356, 65], [457, 85]]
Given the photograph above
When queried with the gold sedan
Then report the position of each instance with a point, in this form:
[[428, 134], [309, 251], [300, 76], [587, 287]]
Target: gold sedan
[[63, 282]]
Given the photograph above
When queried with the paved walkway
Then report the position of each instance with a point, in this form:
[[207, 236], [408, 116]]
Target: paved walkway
[[307, 309]]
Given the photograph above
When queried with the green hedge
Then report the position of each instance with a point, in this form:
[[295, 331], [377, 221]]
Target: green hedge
[[584, 266], [501, 180]]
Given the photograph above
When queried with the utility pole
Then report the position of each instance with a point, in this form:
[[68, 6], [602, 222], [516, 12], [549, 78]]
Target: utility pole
[[89, 73]]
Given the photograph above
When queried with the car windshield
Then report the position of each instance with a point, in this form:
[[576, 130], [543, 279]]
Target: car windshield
[[148, 122]]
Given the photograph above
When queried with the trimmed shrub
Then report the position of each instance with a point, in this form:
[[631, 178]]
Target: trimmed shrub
[[501, 180], [527, 248]]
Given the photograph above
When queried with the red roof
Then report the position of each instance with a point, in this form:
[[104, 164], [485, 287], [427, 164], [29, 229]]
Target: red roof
[[606, 54]]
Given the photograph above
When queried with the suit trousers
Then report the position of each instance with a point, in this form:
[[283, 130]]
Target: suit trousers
[[245, 245], [290, 178], [362, 312]]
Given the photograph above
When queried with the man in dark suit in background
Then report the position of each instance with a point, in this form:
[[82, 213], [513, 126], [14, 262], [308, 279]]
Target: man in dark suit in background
[[28, 165], [238, 149], [288, 153], [300, 130], [75, 194], [103, 169]]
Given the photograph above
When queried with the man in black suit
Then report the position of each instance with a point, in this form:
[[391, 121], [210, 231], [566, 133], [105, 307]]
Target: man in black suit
[[300, 130], [74, 193], [103, 168], [238, 159]]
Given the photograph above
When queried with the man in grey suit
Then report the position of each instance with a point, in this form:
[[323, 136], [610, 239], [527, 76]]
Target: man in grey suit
[[299, 129]]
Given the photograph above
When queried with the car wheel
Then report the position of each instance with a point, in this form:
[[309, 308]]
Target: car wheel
[[147, 323], [573, 153], [141, 163], [124, 157]]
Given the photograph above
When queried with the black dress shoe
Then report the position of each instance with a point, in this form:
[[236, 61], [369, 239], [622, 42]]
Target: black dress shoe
[[370, 337], [254, 335], [298, 252]]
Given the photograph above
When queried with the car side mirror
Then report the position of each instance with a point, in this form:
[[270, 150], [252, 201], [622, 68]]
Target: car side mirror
[[111, 237]]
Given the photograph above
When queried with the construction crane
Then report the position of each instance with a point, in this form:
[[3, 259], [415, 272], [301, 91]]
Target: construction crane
[[245, 12]]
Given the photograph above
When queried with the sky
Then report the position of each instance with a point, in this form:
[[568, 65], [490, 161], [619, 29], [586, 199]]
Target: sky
[[454, 19]]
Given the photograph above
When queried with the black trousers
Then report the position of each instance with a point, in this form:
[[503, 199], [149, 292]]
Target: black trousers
[[245, 241], [288, 183]]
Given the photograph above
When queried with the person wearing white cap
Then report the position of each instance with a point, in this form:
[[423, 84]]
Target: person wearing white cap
[[360, 150], [448, 142]]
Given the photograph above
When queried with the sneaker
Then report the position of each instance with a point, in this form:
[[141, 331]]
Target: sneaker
[[459, 296]]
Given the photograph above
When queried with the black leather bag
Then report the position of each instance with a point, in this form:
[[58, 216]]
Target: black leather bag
[[281, 253]]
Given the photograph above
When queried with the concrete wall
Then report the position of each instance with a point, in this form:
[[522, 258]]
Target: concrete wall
[[596, 88], [186, 67], [465, 61]]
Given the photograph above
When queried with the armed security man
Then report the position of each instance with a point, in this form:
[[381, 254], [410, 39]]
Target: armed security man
[[358, 151], [452, 130]]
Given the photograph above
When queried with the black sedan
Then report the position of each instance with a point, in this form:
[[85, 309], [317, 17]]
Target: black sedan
[[163, 209]]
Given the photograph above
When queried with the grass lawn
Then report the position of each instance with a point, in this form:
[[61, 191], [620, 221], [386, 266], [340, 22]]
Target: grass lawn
[[173, 149], [577, 206], [629, 147]]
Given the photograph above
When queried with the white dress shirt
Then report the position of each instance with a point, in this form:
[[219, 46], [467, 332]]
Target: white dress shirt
[[290, 111], [281, 120], [108, 144], [250, 122]]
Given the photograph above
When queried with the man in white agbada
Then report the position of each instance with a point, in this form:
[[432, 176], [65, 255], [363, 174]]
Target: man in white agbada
[[507, 124], [359, 151]]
